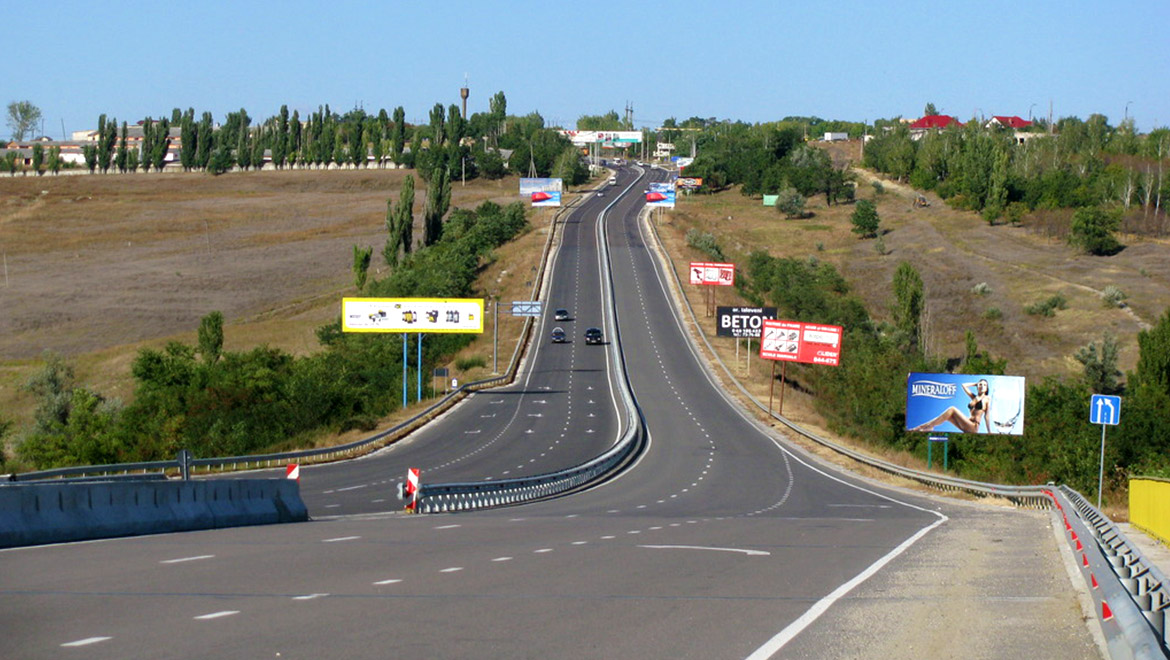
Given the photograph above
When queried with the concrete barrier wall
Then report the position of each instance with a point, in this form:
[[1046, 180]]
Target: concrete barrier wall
[[37, 513], [1149, 506]]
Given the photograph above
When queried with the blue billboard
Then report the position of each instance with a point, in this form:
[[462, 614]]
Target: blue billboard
[[965, 403]]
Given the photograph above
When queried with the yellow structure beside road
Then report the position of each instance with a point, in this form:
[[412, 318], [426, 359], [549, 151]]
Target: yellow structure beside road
[[1149, 506]]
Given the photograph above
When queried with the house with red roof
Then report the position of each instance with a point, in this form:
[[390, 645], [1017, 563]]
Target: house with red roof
[[1012, 122], [931, 123]]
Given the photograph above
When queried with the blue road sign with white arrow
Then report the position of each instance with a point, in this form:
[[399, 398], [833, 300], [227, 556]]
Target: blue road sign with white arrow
[[1105, 409]]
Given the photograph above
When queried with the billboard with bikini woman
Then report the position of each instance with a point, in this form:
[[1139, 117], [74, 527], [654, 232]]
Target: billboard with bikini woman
[[965, 403]]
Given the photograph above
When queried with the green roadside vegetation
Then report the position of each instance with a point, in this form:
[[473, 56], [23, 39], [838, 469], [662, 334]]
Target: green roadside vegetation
[[811, 265]]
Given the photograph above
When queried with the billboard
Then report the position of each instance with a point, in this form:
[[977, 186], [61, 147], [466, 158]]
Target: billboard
[[712, 273], [608, 138], [793, 341], [660, 194], [770, 200], [542, 198], [412, 315], [533, 185], [742, 321], [683, 162], [689, 182], [965, 403]]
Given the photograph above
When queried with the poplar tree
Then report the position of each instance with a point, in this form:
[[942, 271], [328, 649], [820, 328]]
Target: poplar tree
[[203, 151], [189, 138], [38, 158], [120, 159], [909, 298], [438, 199], [400, 223], [398, 137], [147, 143], [162, 143], [280, 140]]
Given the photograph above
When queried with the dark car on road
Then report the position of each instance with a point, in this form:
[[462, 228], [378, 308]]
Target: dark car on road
[[593, 336], [561, 315], [559, 336]]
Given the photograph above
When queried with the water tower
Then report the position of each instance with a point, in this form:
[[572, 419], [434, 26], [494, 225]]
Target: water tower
[[463, 94]]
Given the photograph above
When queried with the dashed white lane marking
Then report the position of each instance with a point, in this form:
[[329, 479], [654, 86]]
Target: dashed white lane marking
[[342, 490], [309, 596], [341, 538], [390, 581], [453, 569], [216, 615], [87, 641], [502, 559], [180, 560], [542, 551], [447, 526], [332, 506], [750, 553]]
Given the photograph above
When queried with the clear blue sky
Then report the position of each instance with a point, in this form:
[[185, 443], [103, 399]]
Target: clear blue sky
[[751, 60]]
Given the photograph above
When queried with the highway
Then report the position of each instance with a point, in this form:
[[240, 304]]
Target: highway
[[718, 542]]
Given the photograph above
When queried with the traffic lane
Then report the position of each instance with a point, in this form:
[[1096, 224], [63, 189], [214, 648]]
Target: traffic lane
[[420, 577]]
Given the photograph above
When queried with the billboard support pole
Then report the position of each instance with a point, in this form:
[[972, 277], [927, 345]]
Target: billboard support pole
[[419, 374], [783, 380], [771, 388], [404, 363], [496, 336]]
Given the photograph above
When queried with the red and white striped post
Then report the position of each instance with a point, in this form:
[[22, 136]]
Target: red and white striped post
[[293, 471], [412, 488]]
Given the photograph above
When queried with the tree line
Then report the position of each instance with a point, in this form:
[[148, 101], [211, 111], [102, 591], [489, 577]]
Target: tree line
[[465, 148], [1081, 164]]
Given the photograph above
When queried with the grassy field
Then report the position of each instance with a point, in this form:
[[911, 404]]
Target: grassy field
[[98, 267]]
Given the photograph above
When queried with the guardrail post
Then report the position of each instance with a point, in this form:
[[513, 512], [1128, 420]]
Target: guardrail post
[[184, 459]]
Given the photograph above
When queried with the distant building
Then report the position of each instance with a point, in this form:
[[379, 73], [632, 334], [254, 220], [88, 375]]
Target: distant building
[[931, 123], [1013, 122]]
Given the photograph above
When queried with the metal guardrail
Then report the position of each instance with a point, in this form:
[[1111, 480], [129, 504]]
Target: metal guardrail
[[1133, 605]]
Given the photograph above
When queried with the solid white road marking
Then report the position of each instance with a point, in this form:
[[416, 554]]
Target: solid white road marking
[[216, 615], [87, 641], [750, 553], [183, 559]]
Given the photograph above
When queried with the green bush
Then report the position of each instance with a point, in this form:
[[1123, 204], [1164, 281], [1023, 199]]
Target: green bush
[[470, 362], [1113, 296], [993, 313], [1047, 307]]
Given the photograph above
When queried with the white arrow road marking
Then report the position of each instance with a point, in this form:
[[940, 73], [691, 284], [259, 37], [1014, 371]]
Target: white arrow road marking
[[87, 641], [750, 553]]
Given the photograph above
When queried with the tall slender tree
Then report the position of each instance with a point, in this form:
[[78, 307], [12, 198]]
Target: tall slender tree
[[909, 299], [398, 137], [438, 199]]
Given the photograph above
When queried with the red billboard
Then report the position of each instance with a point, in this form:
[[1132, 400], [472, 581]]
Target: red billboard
[[793, 341], [712, 273]]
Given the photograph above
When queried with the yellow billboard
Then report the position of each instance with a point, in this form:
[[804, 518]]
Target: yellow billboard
[[412, 315]]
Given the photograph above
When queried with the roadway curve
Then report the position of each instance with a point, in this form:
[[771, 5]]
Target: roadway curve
[[720, 541]]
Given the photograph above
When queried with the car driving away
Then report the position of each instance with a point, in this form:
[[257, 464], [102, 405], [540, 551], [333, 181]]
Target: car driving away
[[593, 336], [561, 315], [559, 336]]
